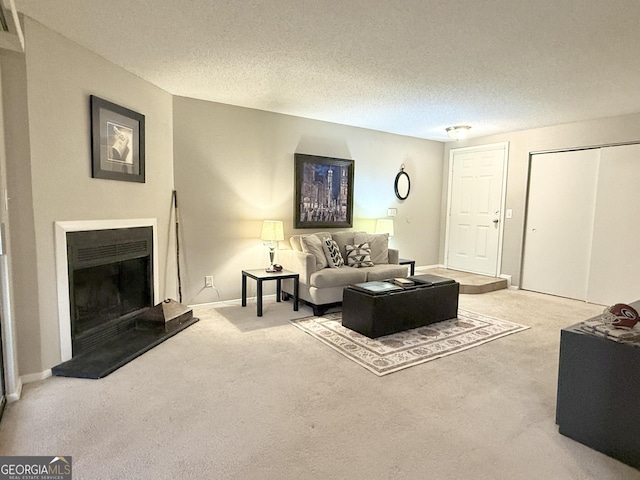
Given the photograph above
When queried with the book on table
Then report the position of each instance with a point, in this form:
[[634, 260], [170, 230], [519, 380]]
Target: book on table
[[403, 282]]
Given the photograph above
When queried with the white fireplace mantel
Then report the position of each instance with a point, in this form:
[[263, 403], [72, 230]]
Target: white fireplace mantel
[[62, 273]]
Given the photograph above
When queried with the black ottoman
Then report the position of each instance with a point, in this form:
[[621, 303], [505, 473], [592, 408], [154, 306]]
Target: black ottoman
[[374, 311]]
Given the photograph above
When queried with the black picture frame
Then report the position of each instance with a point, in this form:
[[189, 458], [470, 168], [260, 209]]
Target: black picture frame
[[402, 184], [323, 192], [117, 142]]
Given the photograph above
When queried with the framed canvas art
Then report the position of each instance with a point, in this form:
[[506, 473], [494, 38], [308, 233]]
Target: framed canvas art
[[117, 142], [323, 192]]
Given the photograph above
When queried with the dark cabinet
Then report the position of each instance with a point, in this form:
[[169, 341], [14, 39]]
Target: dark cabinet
[[598, 401]]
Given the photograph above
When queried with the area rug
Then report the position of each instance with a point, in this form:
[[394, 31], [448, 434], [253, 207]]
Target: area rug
[[391, 353]]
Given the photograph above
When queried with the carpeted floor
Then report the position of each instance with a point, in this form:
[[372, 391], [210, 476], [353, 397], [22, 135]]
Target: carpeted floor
[[241, 397]]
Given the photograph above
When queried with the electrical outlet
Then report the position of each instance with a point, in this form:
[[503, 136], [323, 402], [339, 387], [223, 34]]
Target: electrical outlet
[[208, 281]]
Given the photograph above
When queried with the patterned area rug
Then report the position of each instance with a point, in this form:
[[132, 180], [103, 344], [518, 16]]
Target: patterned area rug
[[395, 352]]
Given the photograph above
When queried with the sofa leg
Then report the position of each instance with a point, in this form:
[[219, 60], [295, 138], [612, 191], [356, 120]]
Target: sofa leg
[[319, 310]]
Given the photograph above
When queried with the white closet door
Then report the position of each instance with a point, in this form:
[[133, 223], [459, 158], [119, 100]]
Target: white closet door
[[560, 215], [615, 261]]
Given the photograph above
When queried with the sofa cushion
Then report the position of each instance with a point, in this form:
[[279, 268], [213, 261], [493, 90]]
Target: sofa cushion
[[337, 277], [359, 256], [384, 272], [313, 245], [343, 239], [295, 240], [379, 244], [332, 252]]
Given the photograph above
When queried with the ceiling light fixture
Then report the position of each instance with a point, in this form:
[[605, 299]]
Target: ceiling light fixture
[[458, 132]]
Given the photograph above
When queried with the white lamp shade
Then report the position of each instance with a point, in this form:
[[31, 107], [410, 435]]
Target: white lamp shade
[[384, 226], [272, 231]]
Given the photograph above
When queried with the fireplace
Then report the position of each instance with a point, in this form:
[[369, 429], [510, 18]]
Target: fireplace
[[63, 269], [108, 307], [110, 281]]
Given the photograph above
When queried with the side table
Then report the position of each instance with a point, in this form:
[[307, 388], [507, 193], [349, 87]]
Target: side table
[[411, 263], [260, 275], [598, 393]]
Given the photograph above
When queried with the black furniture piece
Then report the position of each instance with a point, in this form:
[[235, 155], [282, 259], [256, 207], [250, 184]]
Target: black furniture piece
[[260, 275], [411, 263], [599, 393], [375, 312]]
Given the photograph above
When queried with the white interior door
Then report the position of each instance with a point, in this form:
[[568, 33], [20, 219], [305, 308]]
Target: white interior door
[[474, 228], [559, 223]]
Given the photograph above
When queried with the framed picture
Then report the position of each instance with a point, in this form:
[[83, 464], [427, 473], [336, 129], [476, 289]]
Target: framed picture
[[324, 192], [117, 142]]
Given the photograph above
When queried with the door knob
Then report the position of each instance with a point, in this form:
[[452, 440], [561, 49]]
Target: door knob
[[495, 220]]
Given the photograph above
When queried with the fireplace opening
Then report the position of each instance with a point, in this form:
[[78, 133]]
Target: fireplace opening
[[110, 282]]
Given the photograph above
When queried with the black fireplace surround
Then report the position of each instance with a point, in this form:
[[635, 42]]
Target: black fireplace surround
[[110, 281]]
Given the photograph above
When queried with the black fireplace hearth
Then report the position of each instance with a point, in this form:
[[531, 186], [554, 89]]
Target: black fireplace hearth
[[147, 330]]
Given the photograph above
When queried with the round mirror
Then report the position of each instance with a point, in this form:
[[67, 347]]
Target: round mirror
[[402, 185]]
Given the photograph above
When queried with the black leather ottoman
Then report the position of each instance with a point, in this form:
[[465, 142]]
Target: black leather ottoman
[[375, 314]]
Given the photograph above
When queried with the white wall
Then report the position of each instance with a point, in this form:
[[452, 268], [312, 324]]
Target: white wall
[[593, 132], [234, 167], [60, 78]]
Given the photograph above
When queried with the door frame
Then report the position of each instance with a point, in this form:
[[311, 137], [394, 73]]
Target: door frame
[[503, 197]]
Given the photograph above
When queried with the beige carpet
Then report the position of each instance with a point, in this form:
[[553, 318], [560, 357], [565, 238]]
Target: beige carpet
[[401, 350], [240, 397]]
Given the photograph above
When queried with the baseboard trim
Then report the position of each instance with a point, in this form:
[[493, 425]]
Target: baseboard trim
[[234, 302], [428, 267], [15, 396], [507, 278], [35, 377]]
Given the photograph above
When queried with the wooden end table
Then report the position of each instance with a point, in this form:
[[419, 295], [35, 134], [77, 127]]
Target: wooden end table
[[260, 275]]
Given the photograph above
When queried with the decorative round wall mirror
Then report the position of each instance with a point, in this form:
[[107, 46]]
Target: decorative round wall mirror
[[402, 185]]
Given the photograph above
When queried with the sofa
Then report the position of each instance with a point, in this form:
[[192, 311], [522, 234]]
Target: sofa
[[365, 257]]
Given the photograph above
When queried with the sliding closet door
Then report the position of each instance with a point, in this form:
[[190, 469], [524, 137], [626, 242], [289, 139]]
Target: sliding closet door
[[615, 261], [559, 223]]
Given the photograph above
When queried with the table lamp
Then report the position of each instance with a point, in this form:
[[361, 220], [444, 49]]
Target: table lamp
[[272, 232], [384, 225]]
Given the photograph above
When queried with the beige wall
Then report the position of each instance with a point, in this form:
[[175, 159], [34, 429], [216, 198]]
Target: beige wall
[[21, 238], [234, 167], [60, 78], [594, 132]]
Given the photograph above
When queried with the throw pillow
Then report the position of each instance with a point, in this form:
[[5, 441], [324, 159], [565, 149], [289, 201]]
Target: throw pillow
[[343, 239], [313, 245], [379, 244], [359, 256], [295, 243], [332, 252]]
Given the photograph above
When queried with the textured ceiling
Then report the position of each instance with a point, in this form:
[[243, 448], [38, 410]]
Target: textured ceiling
[[411, 67]]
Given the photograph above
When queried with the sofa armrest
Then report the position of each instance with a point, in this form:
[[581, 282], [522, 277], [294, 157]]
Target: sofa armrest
[[394, 255], [299, 262]]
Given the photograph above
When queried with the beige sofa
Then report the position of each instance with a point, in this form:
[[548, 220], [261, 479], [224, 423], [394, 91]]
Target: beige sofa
[[321, 284]]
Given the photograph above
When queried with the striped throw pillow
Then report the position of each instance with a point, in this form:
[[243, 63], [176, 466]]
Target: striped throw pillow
[[332, 252]]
